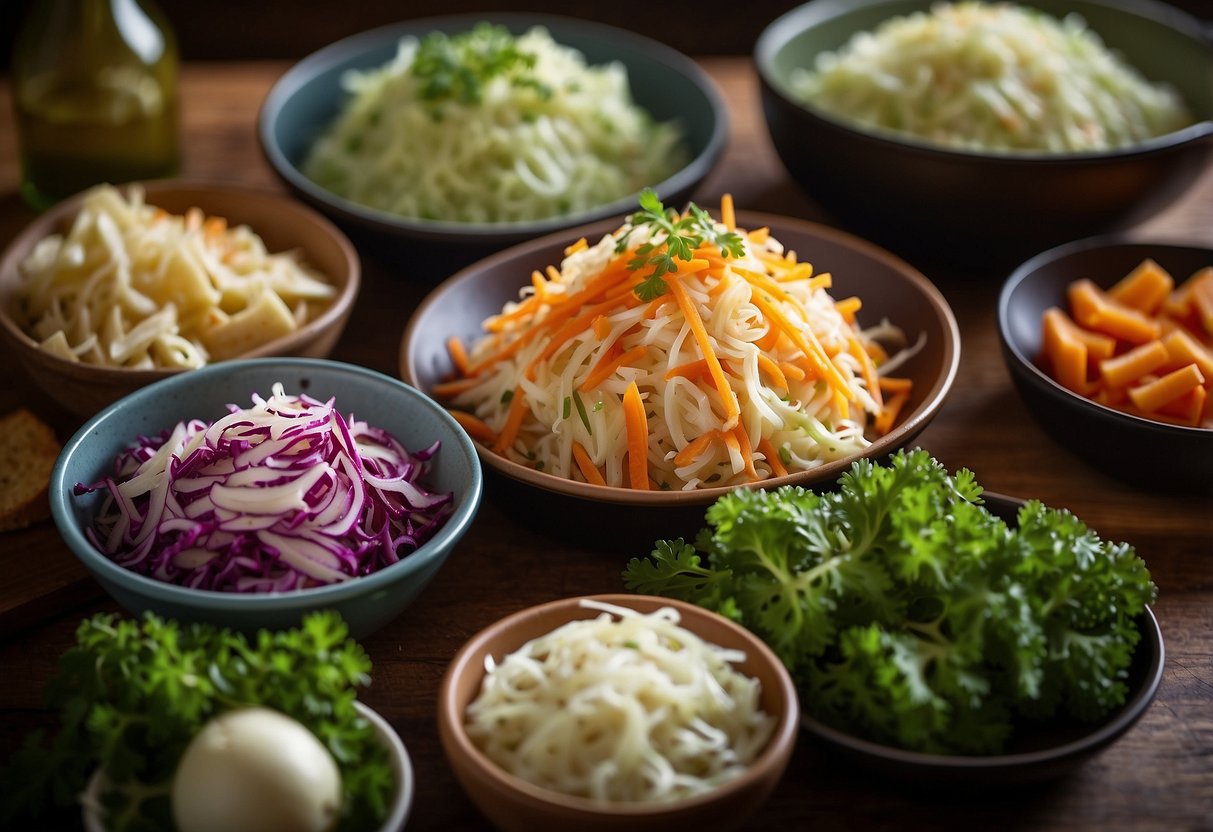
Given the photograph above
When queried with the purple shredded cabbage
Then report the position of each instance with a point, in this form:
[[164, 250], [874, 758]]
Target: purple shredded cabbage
[[281, 496]]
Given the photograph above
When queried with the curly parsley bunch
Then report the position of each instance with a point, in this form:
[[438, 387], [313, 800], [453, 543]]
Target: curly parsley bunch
[[910, 614]]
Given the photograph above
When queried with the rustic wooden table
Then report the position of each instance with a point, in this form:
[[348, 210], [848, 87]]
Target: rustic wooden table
[[1158, 776]]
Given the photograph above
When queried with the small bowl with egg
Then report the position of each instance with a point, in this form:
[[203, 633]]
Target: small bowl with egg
[[248, 493], [254, 763], [563, 125], [116, 288], [1106, 341], [580, 777], [583, 370], [988, 152]]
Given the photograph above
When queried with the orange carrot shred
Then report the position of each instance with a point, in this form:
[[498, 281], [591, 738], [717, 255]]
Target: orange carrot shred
[[637, 428], [691, 314], [459, 355], [586, 465], [768, 450], [513, 421], [475, 427]]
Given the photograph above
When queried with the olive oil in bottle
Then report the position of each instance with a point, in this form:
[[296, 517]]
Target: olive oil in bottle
[[95, 95]]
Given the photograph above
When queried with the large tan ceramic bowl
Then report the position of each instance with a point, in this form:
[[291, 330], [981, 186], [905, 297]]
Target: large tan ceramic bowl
[[889, 287], [281, 222], [514, 804]]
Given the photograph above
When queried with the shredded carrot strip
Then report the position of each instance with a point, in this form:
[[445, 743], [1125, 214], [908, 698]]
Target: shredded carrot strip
[[768, 450], [727, 216], [654, 306], [798, 271], [576, 247], [761, 281], [847, 307], [575, 326], [867, 368], [447, 389], [513, 421], [637, 428], [760, 235], [720, 285], [732, 411], [791, 371], [475, 427], [459, 355], [876, 351], [768, 341], [601, 327], [778, 379], [825, 280], [540, 285], [586, 465], [806, 341], [695, 447], [605, 368], [884, 420], [742, 439], [892, 384]]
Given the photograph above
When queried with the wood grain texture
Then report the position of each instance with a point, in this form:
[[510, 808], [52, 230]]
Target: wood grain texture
[[1158, 776]]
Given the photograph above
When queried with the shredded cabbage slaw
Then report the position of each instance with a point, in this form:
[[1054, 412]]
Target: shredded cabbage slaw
[[624, 707], [561, 137], [991, 77], [584, 380], [285, 495]]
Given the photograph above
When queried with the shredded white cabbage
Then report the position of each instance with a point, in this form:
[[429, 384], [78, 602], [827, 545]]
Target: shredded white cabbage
[[624, 707], [557, 138], [129, 285], [790, 417], [992, 77]]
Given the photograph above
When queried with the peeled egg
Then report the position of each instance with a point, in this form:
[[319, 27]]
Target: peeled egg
[[256, 770]]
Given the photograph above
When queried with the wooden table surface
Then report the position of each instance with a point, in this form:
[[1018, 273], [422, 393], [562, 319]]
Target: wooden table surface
[[1158, 776]]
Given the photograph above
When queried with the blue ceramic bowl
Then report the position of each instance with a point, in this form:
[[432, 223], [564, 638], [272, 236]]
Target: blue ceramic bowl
[[669, 85], [366, 603]]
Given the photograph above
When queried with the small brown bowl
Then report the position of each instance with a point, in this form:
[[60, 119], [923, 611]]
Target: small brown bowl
[[283, 224], [514, 804], [888, 286]]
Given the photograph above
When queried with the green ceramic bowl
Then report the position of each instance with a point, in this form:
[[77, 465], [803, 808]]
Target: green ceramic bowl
[[309, 96], [915, 196], [367, 603]]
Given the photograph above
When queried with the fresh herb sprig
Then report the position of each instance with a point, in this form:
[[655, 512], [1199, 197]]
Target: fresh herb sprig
[[907, 612], [672, 237], [458, 67], [132, 694]]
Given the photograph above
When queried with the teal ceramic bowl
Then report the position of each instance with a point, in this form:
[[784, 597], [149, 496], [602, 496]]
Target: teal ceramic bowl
[[304, 101], [367, 603], [945, 203]]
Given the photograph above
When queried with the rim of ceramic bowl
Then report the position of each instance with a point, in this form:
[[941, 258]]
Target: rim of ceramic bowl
[[58, 215], [782, 740], [402, 768], [1027, 368], [60, 494], [301, 73], [913, 423], [776, 35]]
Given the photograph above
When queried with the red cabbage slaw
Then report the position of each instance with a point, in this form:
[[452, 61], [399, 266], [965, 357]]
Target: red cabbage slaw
[[284, 495]]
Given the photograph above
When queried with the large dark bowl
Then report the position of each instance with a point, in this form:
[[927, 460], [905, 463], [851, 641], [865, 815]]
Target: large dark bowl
[[670, 86], [952, 203], [1037, 752], [888, 286], [1140, 451]]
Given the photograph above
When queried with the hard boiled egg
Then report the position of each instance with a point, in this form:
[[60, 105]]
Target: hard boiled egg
[[256, 770]]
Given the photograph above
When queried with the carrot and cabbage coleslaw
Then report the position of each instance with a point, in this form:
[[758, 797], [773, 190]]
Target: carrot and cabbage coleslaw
[[676, 353]]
